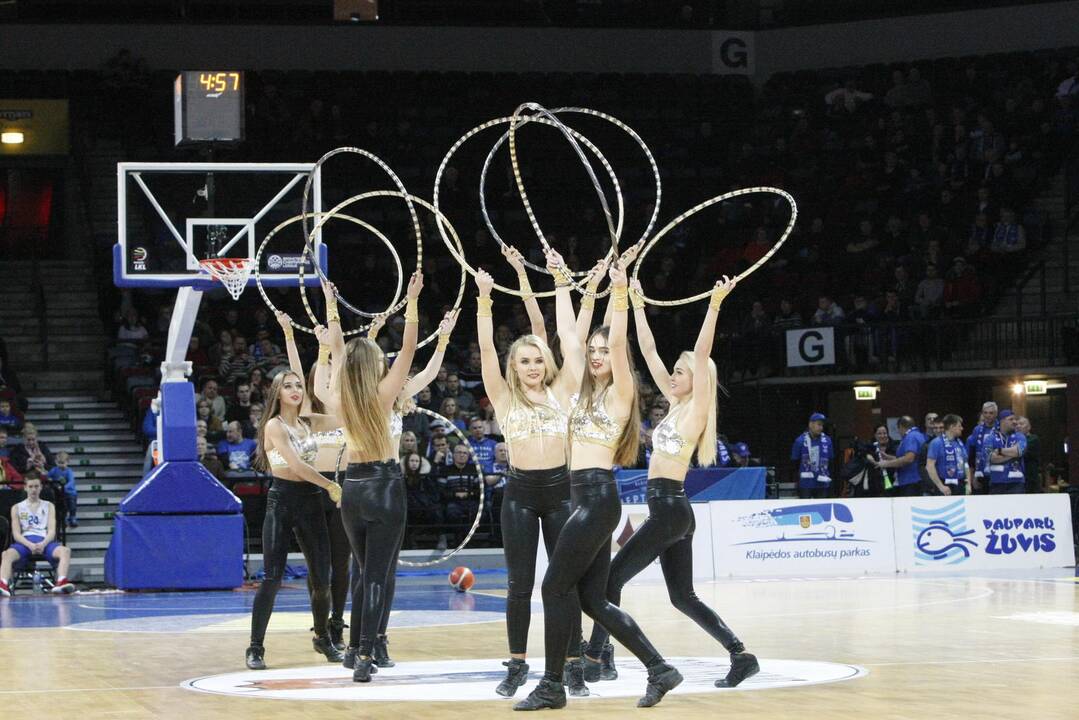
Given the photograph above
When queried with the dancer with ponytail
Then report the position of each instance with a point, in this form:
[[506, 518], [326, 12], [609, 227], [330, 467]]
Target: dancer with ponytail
[[373, 499], [604, 430], [531, 402], [689, 427]]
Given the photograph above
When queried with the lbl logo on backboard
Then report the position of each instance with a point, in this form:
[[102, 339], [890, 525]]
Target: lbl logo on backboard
[[941, 535]]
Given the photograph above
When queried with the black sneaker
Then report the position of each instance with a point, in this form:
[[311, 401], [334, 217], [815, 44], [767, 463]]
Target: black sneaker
[[350, 657], [255, 655], [743, 665], [607, 669], [661, 680], [363, 670], [380, 653], [573, 678], [548, 694], [516, 676], [325, 646], [591, 669], [336, 627]]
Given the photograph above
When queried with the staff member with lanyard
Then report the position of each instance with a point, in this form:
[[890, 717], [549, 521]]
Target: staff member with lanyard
[[909, 481], [1004, 450], [946, 461], [812, 451], [976, 445]]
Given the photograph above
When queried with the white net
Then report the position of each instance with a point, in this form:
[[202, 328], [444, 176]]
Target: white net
[[230, 272]]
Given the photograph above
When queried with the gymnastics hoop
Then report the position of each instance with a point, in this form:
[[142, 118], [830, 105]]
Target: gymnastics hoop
[[701, 206], [309, 235], [479, 475], [298, 218], [439, 218], [505, 120], [617, 232]]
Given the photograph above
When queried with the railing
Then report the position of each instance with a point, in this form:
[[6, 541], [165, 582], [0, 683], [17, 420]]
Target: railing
[[1071, 203], [1036, 270], [948, 345]]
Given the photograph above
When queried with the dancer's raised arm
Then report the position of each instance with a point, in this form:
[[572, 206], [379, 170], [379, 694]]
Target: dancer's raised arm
[[702, 404], [427, 376], [588, 302], [535, 316], [493, 382], [572, 370], [394, 381], [647, 342], [622, 379]]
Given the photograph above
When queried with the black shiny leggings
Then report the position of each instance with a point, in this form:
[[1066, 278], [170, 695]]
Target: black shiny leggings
[[340, 552], [582, 558], [373, 509], [293, 506], [533, 500], [668, 535]]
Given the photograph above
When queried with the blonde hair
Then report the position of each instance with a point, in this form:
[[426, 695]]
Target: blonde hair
[[625, 453], [706, 441], [518, 394], [269, 412], [367, 425]]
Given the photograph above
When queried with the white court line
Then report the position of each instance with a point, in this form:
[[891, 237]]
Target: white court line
[[980, 661]]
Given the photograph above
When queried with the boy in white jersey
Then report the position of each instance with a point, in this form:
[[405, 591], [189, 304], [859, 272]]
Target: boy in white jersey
[[33, 530]]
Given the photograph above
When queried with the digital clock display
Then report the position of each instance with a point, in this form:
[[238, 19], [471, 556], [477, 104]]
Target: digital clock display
[[209, 106]]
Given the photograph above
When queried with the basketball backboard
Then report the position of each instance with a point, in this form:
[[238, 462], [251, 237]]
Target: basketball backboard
[[172, 215]]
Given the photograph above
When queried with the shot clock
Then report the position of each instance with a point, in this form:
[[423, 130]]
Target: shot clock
[[209, 106]]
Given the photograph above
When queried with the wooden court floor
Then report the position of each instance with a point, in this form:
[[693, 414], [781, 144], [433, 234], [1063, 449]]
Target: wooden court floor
[[962, 646]]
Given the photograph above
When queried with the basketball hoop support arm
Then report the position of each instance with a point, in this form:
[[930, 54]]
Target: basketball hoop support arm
[[176, 368]]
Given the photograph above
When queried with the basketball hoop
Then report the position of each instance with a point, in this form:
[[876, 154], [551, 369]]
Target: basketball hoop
[[230, 272]]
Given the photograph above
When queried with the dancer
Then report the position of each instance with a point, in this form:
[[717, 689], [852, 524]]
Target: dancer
[[287, 449], [604, 430], [668, 532], [373, 503], [404, 405], [530, 404]]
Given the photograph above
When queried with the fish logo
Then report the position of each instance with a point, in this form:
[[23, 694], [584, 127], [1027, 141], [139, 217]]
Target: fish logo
[[941, 535], [938, 540]]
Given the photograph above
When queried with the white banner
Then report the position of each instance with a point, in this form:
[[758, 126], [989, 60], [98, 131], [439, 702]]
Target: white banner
[[983, 532], [632, 518], [810, 346], [753, 538]]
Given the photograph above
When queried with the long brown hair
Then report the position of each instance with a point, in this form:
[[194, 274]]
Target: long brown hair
[[625, 453], [367, 424], [271, 409]]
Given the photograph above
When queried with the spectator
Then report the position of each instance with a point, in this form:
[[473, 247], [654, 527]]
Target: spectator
[[251, 422], [483, 447], [218, 406], [195, 354], [9, 381], [471, 378], [962, 292], [466, 401], [933, 429], [909, 481], [239, 409], [979, 240], [740, 455], [237, 363], [132, 330], [787, 317], [33, 527], [439, 454], [64, 477], [460, 493], [31, 455], [1004, 450], [946, 463], [424, 496], [976, 456], [1008, 235], [259, 383], [487, 416], [149, 423], [828, 312], [866, 242], [1032, 457], [448, 410], [10, 478], [236, 452], [880, 480], [209, 460], [902, 286], [812, 452], [5, 449], [846, 99], [919, 91], [215, 429], [11, 422], [929, 296]]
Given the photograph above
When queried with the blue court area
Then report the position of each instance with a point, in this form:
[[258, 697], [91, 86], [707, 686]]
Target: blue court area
[[420, 601]]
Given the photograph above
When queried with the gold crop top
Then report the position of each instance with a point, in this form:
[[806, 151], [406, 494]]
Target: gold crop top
[[331, 439], [668, 442], [306, 447], [397, 424], [523, 422], [597, 427]]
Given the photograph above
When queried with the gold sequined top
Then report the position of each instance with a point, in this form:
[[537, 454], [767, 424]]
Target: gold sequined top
[[397, 424], [668, 442], [539, 420], [333, 438], [306, 447], [597, 427]]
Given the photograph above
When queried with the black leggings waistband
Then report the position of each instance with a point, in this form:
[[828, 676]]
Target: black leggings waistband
[[665, 487], [375, 470], [293, 487], [591, 476], [545, 477]]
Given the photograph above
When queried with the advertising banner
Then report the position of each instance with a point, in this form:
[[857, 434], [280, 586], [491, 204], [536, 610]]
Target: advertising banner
[[802, 537], [983, 532]]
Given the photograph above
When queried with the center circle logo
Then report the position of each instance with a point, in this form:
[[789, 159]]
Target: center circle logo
[[475, 680]]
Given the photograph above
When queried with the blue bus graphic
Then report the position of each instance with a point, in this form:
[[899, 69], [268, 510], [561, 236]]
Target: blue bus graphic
[[804, 523]]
